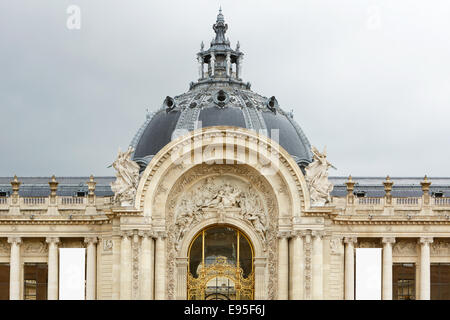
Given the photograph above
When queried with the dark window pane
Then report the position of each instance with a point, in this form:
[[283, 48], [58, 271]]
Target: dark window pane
[[404, 281], [195, 256], [4, 281], [35, 281], [220, 241], [440, 281], [245, 255]]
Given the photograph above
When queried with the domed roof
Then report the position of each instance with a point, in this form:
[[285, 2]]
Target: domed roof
[[219, 98]]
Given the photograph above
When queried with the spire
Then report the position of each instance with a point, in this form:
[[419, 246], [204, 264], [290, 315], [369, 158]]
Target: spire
[[220, 27]]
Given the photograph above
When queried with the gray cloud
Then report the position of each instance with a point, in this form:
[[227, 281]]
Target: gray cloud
[[368, 79]]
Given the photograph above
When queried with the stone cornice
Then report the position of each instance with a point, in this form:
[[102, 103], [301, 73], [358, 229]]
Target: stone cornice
[[390, 221], [53, 222], [123, 211]]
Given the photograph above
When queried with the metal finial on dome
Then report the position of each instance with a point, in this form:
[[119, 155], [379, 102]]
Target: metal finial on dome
[[220, 27]]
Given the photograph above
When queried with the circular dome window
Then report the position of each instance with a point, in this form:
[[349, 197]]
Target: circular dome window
[[221, 98]]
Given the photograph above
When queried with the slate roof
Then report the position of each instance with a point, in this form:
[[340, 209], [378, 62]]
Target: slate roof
[[373, 186], [68, 186], [403, 186]]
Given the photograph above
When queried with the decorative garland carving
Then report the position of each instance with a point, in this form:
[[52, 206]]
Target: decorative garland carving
[[440, 247], [405, 248], [35, 247], [135, 261], [208, 171]]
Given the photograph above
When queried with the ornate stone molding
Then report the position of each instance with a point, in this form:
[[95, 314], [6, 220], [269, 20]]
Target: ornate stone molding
[[405, 247], [335, 245], [201, 173], [52, 240], [90, 240], [207, 135], [440, 247], [350, 240], [15, 240], [425, 240], [318, 234], [108, 245], [390, 240]]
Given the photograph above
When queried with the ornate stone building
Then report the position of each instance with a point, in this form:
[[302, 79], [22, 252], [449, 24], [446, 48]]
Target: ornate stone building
[[221, 196]]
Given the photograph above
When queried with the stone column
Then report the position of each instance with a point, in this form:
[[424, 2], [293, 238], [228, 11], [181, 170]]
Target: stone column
[[160, 267], [425, 267], [116, 242], [283, 266], [182, 266], [349, 292], [91, 270], [125, 266], [260, 278], [53, 268], [147, 266], [14, 268], [213, 64], [296, 268], [317, 265], [228, 64], [387, 267]]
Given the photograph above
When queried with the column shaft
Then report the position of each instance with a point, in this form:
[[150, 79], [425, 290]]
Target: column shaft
[[317, 267], [283, 268], [296, 268], [387, 268], [425, 268], [14, 269], [160, 269], [91, 263], [53, 269], [147, 267], [125, 268], [349, 269]]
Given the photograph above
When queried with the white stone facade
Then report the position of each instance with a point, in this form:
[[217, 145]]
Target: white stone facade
[[300, 251]]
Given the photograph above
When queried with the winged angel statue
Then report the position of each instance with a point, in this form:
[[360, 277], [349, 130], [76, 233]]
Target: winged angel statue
[[317, 178], [127, 178]]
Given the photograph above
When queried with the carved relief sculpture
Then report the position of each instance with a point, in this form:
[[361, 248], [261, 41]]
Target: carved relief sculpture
[[220, 195]]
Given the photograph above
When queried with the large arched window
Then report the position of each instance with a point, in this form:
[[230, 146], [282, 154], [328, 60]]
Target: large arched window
[[220, 265]]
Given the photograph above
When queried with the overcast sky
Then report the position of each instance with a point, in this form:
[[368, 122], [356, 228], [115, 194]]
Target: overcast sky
[[369, 79]]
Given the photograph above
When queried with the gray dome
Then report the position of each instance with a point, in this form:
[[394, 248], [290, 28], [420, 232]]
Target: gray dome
[[219, 98]]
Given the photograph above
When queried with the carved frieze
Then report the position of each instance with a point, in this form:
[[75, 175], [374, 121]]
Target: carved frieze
[[5, 248], [34, 247], [405, 247], [440, 247]]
